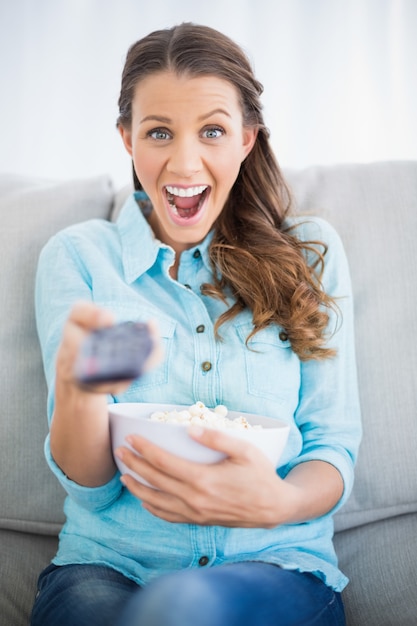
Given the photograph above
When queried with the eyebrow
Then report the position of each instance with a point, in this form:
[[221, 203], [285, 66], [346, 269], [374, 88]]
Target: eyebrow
[[214, 112], [155, 118], [166, 120]]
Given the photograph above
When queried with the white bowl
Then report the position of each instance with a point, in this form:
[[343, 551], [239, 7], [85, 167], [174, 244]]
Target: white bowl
[[133, 418]]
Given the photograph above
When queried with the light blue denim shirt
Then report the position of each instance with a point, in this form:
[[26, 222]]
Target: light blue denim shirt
[[124, 268]]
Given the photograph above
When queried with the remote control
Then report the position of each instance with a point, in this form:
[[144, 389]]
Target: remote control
[[114, 353]]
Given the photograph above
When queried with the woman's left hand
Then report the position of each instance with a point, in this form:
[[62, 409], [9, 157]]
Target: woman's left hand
[[242, 490]]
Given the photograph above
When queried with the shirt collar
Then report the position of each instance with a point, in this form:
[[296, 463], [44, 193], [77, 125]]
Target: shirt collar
[[140, 248]]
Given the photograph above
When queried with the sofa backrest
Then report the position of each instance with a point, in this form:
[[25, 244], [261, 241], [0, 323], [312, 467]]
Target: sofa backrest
[[374, 209], [31, 211]]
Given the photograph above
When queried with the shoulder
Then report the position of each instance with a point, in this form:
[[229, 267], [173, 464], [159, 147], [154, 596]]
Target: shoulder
[[317, 233], [311, 228], [322, 239], [89, 230], [80, 238]]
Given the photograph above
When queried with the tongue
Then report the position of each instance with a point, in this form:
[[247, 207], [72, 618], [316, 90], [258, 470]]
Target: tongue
[[187, 203]]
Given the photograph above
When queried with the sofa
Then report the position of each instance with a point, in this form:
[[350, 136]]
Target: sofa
[[374, 208]]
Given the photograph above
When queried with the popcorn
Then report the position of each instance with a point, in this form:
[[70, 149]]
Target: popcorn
[[199, 414]]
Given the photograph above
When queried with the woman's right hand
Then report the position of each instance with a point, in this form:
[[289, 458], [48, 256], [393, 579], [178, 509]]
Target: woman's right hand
[[84, 318], [80, 439]]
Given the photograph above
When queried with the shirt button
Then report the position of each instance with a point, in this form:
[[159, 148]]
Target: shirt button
[[197, 254], [206, 366], [187, 286], [203, 561], [201, 328], [283, 336]]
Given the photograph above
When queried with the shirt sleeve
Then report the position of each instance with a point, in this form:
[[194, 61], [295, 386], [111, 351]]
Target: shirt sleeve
[[61, 280], [328, 413]]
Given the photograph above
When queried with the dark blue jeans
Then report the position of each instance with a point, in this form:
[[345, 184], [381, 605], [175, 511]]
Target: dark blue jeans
[[244, 594]]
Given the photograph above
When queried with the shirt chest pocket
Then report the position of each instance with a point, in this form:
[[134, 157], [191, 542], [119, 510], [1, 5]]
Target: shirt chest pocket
[[272, 368], [158, 375]]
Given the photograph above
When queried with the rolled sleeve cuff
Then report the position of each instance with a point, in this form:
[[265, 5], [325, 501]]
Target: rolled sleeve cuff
[[90, 498]]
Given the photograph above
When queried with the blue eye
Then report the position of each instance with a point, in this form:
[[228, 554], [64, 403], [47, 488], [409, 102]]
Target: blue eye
[[214, 132], [159, 134]]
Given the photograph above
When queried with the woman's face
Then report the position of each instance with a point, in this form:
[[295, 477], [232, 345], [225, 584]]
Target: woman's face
[[187, 142]]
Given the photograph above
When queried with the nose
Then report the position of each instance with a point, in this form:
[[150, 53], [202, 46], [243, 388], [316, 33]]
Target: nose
[[185, 158]]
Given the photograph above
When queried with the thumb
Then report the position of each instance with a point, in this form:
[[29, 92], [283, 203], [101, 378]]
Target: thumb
[[89, 316], [219, 440]]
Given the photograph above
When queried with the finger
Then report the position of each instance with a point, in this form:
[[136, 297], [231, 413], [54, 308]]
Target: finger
[[109, 388], [176, 510], [168, 516], [230, 445], [167, 506], [155, 465], [89, 316], [84, 318], [159, 503], [166, 471]]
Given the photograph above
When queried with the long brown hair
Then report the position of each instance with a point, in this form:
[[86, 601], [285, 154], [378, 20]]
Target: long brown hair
[[254, 257]]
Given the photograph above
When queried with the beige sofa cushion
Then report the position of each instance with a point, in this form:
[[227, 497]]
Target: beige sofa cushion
[[374, 208], [30, 212]]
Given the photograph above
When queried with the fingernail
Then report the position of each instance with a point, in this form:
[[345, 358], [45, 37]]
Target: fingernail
[[119, 453]]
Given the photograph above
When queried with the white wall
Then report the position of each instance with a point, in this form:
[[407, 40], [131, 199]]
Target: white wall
[[340, 77]]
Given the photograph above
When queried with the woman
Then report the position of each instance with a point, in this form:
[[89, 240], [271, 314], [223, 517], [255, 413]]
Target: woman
[[254, 311]]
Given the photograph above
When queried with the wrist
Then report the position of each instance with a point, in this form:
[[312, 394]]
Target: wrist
[[288, 504], [68, 390]]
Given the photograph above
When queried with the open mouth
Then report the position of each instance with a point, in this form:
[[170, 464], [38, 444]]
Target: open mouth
[[185, 202]]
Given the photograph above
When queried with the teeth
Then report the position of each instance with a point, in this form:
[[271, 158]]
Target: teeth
[[187, 192]]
